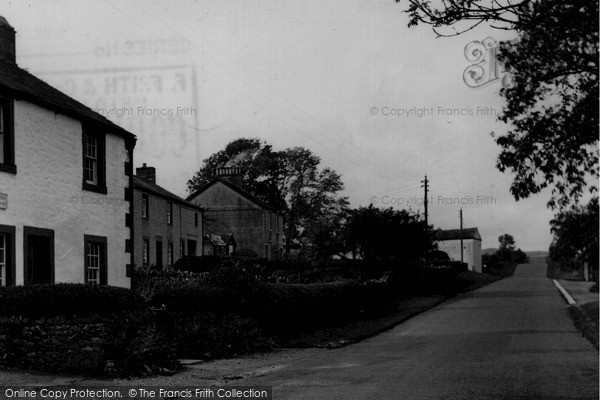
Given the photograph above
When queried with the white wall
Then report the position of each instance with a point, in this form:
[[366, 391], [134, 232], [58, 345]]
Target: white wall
[[471, 252], [46, 193]]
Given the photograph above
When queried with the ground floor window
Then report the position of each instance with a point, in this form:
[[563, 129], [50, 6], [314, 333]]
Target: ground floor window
[[170, 254], [95, 260], [2, 259], [181, 248], [145, 251], [7, 255]]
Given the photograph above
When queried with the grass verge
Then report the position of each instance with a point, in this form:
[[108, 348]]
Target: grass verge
[[585, 318]]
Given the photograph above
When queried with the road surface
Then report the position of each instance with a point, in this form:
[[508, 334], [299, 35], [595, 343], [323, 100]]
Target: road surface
[[512, 339]]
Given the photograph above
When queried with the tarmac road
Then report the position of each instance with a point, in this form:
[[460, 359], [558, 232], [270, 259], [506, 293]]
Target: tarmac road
[[512, 339]]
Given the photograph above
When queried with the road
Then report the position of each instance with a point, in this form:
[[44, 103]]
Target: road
[[512, 339]]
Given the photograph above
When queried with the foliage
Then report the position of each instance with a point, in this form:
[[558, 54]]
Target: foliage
[[67, 299], [576, 236], [290, 180], [387, 234], [552, 106]]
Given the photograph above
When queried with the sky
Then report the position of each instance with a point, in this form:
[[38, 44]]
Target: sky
[[380, 103]]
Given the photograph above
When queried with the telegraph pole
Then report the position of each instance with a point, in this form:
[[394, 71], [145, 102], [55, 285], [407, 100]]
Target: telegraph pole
[[461, 236], [425, 185]]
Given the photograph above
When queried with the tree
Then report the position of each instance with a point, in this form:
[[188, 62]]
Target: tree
[[507, 251], [290, 180], [552, 106], [576, 236], [507, 242], [381, 235]]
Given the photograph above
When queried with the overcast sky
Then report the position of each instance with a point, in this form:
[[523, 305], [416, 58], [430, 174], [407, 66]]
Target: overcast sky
[[380, 103]]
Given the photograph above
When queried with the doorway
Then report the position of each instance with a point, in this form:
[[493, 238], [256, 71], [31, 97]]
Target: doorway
[[38, 247]]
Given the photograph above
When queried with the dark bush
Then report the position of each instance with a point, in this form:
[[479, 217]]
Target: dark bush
[[66, 299]]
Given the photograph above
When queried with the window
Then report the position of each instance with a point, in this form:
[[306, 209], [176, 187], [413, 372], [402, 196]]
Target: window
[[7, 150], [169, 213], [195, 219], [3, 259], [266, 251], [145, 251], [95, 260], [93, 161], [170, 254], [145, 208], [181, 248]]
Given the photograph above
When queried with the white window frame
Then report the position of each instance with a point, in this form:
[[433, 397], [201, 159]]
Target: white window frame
[[145, 251], [94, 259], [170, 254], [91, 156]]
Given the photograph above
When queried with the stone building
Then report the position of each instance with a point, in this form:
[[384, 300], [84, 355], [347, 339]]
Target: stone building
[[230, 210], [65, 184], [166, 226]]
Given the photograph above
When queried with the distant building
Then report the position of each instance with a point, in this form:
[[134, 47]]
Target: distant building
[[229, 209], [65, 184], [166, 226], [449, 242]]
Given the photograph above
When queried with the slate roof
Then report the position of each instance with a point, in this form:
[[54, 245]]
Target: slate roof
[[149, 187], [237, 189], [20, 84], [454, 234]]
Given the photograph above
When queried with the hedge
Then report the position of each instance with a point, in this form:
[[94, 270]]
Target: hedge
[[81, 329], [66, 299]]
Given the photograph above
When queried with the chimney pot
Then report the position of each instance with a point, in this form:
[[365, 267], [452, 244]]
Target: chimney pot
[[7, 41], [147, 173]]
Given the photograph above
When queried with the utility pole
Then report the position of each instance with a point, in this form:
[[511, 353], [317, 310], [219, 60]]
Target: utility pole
[[461, 236], [425, 184]]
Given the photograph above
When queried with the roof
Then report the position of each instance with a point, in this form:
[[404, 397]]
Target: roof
[[237, 189], [20, 84], [454, 234], [215, 240], [149, 187]]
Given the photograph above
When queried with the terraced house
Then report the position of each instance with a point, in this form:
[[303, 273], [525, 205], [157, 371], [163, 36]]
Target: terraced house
[[167, 227], [65, 184]]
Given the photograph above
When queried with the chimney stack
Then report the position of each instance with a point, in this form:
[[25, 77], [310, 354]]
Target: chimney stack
[[147, 173], [7, 41], [233, 175]]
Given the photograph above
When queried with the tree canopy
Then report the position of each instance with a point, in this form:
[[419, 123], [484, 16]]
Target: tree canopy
[[291, 180], [552, 106]]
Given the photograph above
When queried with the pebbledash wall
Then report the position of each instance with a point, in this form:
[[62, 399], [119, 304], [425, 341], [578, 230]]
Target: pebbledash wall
[[46, 192]]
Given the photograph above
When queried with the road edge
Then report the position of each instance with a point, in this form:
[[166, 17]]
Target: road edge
[[568, 298]]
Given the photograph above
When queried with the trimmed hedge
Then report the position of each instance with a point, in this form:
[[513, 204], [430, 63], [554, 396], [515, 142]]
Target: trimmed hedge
[[66, 299], [81, 329]]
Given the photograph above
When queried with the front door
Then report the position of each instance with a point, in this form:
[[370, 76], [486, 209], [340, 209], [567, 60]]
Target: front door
[[159, 254], [191, 245], [39, 255]]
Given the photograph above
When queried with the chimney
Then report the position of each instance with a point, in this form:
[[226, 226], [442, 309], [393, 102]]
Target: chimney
[[147, 173], [7, 41], [233, 175]]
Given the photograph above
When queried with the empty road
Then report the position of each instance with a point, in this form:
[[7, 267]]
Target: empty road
[[512, 339]]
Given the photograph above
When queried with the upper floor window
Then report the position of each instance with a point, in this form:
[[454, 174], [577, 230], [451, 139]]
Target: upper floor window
[[7, 150], [145, 207], [195, 219], [94, 161], [169, 213]]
